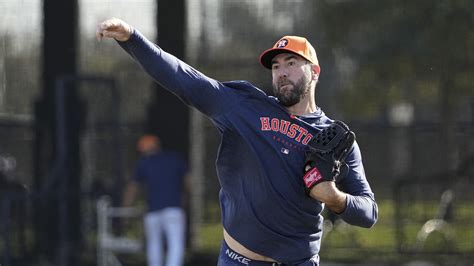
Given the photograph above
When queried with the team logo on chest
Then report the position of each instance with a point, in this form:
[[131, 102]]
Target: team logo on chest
[[284, 127]]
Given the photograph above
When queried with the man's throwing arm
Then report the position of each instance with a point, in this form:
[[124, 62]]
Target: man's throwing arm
[[193, 87]]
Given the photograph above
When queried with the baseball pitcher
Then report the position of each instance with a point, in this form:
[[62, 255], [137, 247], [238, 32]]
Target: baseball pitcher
[[281, 159]]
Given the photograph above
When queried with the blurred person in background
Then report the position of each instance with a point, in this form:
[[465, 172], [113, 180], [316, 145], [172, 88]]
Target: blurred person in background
[[162, 176]]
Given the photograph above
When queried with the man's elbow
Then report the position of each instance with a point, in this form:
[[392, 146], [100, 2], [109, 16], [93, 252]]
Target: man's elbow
[[360, 211], [372, 217]]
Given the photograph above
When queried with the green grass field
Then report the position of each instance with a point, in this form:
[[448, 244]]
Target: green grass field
[[350, 243], [344, 243]]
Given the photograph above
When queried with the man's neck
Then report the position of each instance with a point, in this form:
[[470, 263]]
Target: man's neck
[[303, 107]]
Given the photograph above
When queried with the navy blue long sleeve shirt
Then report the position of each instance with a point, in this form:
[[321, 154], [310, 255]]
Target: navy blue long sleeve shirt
[[260, 159]]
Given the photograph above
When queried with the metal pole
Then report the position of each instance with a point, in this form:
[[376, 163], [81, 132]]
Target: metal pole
[[198, 149], [61, 132]]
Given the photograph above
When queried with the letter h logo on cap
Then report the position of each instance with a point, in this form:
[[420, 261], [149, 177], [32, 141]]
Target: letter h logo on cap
[[282, 43]]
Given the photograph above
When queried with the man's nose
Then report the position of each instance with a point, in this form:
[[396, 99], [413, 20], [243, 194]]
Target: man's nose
[[283, 73]]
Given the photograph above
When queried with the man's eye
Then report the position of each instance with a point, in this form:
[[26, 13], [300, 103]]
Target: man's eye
[[274, 66], [291, 63]]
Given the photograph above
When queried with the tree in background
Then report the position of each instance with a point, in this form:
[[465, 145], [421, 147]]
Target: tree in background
[[416, 51], [413, 53]]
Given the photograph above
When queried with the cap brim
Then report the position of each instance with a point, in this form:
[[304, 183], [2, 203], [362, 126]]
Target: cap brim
[[267, 56]]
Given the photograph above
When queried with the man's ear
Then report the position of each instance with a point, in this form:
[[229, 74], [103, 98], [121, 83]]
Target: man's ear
[[315, 69]]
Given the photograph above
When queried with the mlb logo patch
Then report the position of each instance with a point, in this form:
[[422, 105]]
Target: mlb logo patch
[[282, 43]]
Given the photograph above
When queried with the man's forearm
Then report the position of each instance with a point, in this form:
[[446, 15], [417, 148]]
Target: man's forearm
[[329, 194], [356, 210]]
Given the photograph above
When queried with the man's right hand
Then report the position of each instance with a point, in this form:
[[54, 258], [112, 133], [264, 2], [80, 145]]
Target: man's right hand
[[114, 28]]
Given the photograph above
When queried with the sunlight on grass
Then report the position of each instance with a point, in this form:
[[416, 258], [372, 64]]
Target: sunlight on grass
[[211, 237]]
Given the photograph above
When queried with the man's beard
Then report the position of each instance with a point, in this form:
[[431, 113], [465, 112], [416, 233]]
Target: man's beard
[[293, 96]]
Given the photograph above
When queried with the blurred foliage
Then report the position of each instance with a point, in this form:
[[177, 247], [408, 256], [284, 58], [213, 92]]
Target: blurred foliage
[[414, 51]]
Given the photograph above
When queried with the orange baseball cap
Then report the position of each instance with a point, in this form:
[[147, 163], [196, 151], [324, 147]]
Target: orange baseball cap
[[290, 44]]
